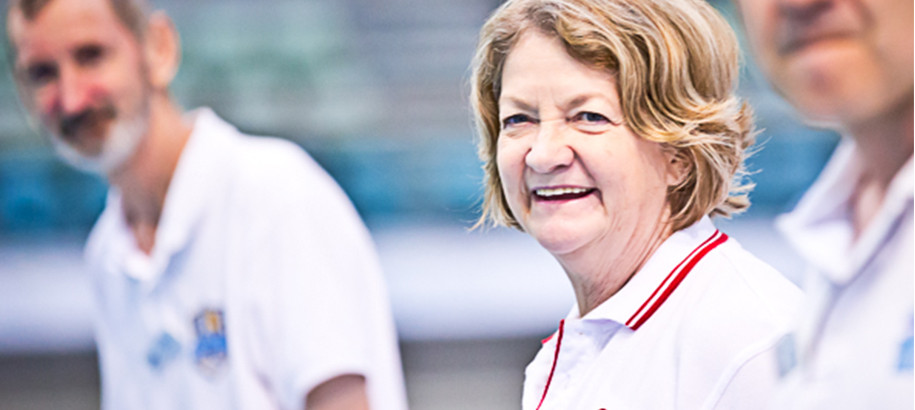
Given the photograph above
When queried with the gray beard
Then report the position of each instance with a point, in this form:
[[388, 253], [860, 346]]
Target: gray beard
[[119, 146]]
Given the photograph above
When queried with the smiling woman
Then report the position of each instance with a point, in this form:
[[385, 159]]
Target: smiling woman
[[574, 179], [610, 132]]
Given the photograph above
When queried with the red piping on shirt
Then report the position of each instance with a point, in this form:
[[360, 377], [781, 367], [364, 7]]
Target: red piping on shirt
[[674, 278], [552, 369], [545, 341]]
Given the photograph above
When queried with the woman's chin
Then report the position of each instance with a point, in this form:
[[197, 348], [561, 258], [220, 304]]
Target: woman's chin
[[560, 242]]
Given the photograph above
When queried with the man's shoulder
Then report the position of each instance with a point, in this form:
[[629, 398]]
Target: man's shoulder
[[266, 154], [239, 153], [264, 160], [266, 169]]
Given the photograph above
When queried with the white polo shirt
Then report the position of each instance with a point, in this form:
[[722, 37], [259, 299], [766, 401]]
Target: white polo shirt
[[262, 284], [853, 346], [695, 328]]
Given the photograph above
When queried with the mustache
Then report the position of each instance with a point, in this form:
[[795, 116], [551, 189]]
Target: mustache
[[71, 125], [805, 25]]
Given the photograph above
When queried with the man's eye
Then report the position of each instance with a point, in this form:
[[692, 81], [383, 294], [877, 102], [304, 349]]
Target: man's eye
[[515, 120], [590, 117], [89, 54], [38, 74]]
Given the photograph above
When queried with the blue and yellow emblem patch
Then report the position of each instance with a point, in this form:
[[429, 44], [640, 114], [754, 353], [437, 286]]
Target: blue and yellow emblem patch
[[211, 352]]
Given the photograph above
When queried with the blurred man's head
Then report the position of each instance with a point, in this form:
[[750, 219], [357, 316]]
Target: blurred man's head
[[88, 70], [840, 62]]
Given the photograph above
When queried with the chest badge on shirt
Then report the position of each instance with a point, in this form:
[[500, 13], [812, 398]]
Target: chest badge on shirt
[[211, 352], [906, 361], [786, 354], [162, 351]]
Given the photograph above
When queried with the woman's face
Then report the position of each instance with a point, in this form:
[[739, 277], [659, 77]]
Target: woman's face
[[576, 178]]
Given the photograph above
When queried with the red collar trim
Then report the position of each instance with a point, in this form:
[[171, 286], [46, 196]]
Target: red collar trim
[[673, 279], [555, 359]]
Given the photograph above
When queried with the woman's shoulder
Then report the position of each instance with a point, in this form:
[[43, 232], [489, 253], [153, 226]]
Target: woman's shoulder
[[739, 300], [729, 284], [739, 308], [739, 272]]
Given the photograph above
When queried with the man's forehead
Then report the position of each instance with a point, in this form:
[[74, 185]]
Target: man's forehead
[[15, 21], [61, 23]]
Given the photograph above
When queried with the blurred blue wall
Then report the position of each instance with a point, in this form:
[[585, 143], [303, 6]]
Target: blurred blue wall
[[377, 93]]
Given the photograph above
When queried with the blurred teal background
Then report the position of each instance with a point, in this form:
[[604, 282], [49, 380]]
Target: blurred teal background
[[376, 91]]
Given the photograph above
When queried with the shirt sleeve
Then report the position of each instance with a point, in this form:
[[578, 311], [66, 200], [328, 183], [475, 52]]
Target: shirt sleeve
[[750, 382], [327, 312]]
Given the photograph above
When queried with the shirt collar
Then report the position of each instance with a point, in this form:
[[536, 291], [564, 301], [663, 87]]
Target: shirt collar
[[820, 227], [195, 177], [649, 288]]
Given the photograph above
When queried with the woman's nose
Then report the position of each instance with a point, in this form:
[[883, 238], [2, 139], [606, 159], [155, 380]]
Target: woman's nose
[[549, 150]]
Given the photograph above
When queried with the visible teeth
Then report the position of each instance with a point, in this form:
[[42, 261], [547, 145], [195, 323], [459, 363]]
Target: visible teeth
[[548, 192]]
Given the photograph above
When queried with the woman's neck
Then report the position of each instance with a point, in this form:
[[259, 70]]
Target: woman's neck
[[596, 276]]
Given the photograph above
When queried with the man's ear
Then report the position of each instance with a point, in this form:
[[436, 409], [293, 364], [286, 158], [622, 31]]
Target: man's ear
[[679, 164], [163, 50]]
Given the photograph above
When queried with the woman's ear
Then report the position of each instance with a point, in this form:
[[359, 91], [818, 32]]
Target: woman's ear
[[679, 164], [163, 50]]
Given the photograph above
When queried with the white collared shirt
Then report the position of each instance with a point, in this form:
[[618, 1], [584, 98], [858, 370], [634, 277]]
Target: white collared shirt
[[262, 284], [853, 345], [695, 328]]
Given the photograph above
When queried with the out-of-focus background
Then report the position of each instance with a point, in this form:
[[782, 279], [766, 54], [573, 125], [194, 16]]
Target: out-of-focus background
[[376, 91]]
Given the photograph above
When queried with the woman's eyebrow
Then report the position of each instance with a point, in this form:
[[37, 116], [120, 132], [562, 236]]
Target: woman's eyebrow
[[518, 103], [581, 99]]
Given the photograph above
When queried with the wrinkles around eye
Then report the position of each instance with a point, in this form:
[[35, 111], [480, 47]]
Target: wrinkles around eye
[[516, 120], [592, 123], [588, 117]]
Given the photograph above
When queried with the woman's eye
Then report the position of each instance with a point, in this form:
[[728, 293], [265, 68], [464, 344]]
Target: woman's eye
[[590, 117], [515, 120]]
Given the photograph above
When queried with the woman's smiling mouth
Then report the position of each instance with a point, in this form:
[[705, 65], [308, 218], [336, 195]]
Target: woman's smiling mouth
[[561, 193]]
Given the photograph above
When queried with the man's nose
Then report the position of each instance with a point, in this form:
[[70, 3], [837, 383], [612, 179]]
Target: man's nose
[[550, 150], [74, 92]]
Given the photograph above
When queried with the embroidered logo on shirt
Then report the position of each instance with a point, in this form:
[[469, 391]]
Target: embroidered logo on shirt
[[786, 354], [163, 350], [907, 350], [211, 351]]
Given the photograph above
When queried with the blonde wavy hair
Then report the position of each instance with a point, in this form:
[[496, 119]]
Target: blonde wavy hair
[[676, 64]]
